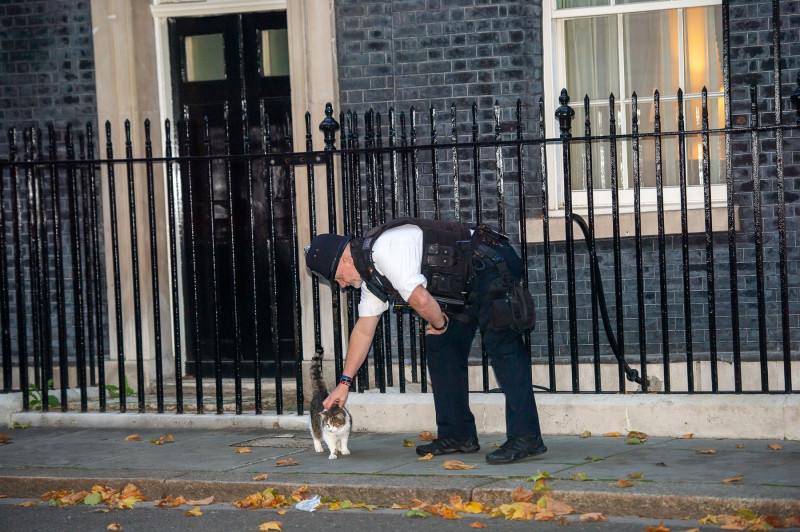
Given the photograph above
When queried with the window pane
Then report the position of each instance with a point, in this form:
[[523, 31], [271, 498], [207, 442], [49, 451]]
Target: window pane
[[566, 4], [651, 52], [205, 57], [703, 44], [647, 146], [592, 57], [274, 53], [633, 1], [716, 143], [600, 150]]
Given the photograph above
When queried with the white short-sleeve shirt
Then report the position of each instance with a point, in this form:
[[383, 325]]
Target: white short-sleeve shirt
[[397, 255]]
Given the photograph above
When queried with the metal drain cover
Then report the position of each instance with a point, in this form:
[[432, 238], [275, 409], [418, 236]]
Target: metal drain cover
[[283, 442]]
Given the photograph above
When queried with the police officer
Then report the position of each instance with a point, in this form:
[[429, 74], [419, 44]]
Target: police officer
[[421, 261]]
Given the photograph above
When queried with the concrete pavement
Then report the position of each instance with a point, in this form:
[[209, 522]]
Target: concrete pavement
[[676, 481]]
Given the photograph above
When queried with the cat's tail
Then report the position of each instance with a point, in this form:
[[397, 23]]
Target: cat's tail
[[317, 380]]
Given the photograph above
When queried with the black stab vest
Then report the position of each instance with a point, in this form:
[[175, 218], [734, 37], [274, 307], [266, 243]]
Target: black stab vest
[[446, 259]]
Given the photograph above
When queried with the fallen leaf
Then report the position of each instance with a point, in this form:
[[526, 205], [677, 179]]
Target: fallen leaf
[[634, 476], [544, 515], [706, 451], [408, 443], [792, 521], [541, 486], [163, 440], [449, 513], [417, 513], [281, 512], [739, 446], [775, 446], [522, 495], [426, 457], [612, 434], [593, 516], [580, 477], [133, 437], [243, 450], [265, 476], [478, 524], [396, 506], [271, 525], [5, 438], [300, 494], [194, 512], [594, 458], [27, 503], [557, 507], [457, 464], [171, 502], [661, 464], [426, 435], [638, 435], [661, 528], [732, 479], [622, 483], [114, 526], [287, 462], [3, 496], [692, 530], [688, 436], [562, 521], [634, 441], [585, 434]]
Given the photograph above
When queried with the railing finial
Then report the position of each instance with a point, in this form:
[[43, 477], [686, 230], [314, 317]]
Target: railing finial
[[329, 126], [564, 114]]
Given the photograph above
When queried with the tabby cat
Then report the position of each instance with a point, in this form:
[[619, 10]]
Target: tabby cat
[[331, 426]]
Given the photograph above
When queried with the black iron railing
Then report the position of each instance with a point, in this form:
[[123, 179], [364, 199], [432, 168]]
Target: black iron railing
[[667, 287]]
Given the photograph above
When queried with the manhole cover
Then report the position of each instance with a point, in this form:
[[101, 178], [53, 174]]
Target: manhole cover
[[289, 441]]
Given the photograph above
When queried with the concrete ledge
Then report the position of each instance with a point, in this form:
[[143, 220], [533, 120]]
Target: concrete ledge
[[705, 416]]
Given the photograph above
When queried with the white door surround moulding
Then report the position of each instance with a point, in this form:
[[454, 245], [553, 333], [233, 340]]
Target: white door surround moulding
[[161, 9]]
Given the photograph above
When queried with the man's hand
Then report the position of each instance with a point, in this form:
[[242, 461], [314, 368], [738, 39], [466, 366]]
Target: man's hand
[[337, 396]]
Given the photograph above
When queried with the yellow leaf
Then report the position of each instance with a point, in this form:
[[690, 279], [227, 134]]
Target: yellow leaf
[[457, 464], [194, 512], [688, 436], [593, 516], [775, 446], [585, 434], [271, 525], [732, 479], [27, 503], [261, 477], [243, 450], [426, 457], [300, 494], [133, 437], [287, 462], [114, 526], [708, 519], [706, 451], [202, 502], [612, 434], [426, 435], [478, 524], [281, 512], [396, 506], [738, 446], [473, 507], [408, 443]]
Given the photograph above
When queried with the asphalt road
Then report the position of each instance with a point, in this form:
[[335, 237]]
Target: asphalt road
[[224, 517]]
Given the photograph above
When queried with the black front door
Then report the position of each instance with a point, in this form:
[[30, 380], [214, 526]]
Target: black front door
[[232, 64]]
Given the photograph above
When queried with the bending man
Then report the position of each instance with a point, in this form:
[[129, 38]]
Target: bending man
[[476, 276]]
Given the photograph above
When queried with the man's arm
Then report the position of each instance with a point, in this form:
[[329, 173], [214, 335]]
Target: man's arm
[[357, 350], [428, 308]]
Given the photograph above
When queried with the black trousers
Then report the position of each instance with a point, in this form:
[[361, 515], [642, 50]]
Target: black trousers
[[448, 353]]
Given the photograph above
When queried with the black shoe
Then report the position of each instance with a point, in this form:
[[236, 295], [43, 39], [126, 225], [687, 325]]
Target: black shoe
[[439, 446], [517, 448]]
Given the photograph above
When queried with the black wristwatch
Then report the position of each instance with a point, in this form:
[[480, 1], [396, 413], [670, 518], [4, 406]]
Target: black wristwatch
[[443, 327]]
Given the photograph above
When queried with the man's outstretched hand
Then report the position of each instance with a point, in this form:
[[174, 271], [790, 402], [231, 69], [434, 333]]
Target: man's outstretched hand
[[337, 396]]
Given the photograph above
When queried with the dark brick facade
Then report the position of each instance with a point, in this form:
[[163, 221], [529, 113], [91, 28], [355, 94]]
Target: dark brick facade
[[46, 78], [419, 53]]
